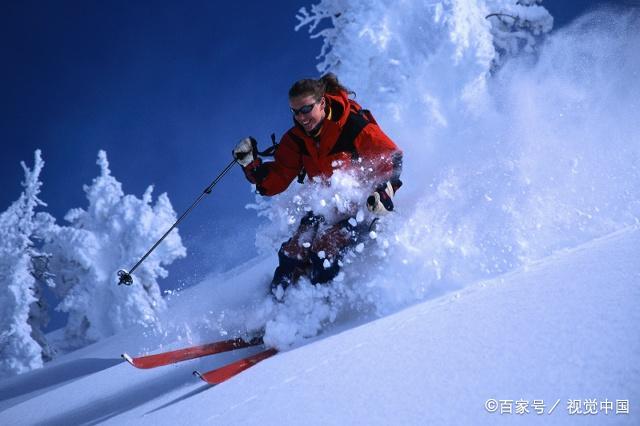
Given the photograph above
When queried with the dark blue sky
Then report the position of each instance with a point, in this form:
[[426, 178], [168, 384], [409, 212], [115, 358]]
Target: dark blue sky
[[166, 88]]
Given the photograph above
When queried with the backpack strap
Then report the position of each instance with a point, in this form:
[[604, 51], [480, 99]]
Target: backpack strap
[[270, 152], [355, 123]]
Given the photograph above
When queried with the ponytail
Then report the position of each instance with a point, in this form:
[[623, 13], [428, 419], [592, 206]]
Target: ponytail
[[328, 83], [333, 86]]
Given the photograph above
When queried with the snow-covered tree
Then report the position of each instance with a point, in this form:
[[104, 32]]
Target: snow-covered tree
[[517, 28], [22, 272], [501, 168], [430, 57], [114, 231]]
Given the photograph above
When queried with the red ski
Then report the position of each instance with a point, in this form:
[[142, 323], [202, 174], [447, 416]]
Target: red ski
[[166, 358], [219, 375]]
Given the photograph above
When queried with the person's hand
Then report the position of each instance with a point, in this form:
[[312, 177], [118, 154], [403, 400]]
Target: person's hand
[[246, 151], [380, 201]]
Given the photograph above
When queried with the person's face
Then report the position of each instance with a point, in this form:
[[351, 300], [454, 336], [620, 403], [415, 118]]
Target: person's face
[[307, 111]]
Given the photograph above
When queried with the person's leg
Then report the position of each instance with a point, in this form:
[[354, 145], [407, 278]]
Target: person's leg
[[293, 256], [330, 245], [327, 250]]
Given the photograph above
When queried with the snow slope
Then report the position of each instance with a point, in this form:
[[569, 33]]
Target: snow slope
[[507, 189], [566, 327]]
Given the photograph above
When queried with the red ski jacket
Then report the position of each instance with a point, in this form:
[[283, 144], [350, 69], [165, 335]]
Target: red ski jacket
[[350, 139]]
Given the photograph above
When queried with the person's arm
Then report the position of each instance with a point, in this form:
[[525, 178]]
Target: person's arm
[[271, 177], [382, 161]]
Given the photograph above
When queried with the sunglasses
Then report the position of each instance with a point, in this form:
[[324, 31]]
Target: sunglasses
[[306, 109]]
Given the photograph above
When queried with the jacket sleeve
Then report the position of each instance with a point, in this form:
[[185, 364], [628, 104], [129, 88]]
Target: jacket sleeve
[[381, 157], [273, 177]]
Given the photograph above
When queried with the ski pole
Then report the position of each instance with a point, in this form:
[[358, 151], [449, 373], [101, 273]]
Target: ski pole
[[125, 277]]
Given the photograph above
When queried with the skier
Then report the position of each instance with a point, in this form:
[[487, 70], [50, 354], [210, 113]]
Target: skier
[[330, 132]]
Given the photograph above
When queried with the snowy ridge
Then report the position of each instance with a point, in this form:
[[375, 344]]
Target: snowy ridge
[[563, 328]]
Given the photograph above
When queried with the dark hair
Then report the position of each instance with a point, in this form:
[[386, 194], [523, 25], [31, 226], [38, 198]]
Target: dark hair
[[328, 83]]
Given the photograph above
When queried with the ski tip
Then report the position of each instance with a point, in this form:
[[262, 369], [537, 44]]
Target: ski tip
[[127, 358], [198, 375]]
